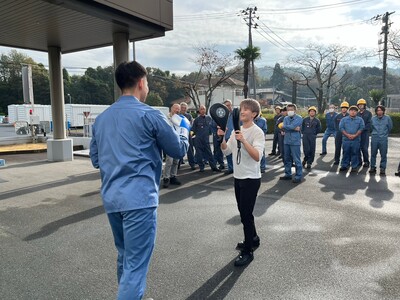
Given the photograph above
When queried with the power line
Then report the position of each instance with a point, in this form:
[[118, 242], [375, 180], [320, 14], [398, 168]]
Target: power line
[[269, 11], [319, 28]]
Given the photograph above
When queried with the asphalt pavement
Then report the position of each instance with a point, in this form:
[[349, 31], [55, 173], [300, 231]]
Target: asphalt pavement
[[333, 236]]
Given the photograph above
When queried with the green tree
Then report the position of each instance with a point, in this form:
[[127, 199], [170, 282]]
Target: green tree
[[247, 55], [278, 78], [154, 99], [376, 95]]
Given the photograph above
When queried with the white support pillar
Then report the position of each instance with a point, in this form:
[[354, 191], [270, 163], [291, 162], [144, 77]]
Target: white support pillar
[[59, 148], [121, 54]]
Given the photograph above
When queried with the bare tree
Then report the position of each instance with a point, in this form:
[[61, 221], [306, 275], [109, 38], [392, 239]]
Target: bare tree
[[394, 45], [318, 69], [215, 68]]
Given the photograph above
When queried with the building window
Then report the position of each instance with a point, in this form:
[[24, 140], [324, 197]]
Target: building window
[[202, 92], [238, 92]]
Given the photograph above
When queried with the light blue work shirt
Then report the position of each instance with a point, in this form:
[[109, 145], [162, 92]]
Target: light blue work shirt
[[292, 137], [381, 127], [351, 126], [330, 120], [126, 145], [262, 123]]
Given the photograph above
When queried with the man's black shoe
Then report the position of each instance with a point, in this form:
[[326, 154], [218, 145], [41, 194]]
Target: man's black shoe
[[296, 180], [277, 153], [272, 153], [323, 153], [280, 156], [366, 165], [174, 181], [304, 163], [263, 171], [397, 173], [243, 259], [308, 167], [166, 182], [228, 172], [336, 163], [221, 167], [372, 170], [216, 169], [193, 167], [256, 244], [285, 178], [342, 169], [353, 170], [382, 172]]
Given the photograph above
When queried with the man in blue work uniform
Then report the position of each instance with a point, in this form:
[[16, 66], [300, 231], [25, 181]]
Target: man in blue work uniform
[[202, 130], [275, 142], [126, 146], [366, 115], [351, 128], [330, 127], [217, 152], [261, 122], [190, 152], [381, 127], [344, 106], [310, 128], [281, 135], [228, 131], [292, 142]]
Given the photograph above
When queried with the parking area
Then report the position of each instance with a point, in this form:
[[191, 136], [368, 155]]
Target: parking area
[[334, 236]]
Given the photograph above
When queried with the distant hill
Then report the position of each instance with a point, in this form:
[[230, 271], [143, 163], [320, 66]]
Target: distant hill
[[266, 71]]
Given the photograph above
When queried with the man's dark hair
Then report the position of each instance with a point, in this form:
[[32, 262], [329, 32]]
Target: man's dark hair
[[291, 105], [128, 74], [381, 107]]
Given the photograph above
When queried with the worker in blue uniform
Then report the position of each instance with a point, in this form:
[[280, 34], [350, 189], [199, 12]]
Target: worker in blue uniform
[[344, 106], [261, 122], [281, 135], [292, 142], [201, 136], [351, 128], [330, 127], [310, 128], [366, 115], [217, 152], [228, 130], [126, 146], [381, 126]]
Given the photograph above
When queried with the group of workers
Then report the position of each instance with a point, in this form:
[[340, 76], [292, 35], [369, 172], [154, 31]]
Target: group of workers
[[129, 136], [351, 129], [199, 151]]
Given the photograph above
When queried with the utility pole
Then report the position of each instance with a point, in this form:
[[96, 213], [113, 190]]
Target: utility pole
[[385, 32], [250, 13]]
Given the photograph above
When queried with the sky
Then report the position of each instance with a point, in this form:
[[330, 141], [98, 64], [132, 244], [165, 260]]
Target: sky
[[285, 28]]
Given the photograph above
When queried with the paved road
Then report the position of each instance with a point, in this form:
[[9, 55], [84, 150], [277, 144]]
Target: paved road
[[334, 236]]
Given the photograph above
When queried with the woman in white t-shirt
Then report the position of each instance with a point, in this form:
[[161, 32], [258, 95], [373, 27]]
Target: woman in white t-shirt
[[246, 173]]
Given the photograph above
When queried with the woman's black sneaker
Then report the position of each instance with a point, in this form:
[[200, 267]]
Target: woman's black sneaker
[[256, 244], [244, 258]]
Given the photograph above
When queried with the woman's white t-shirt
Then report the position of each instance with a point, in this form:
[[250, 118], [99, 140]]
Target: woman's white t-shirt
[[248, 167]]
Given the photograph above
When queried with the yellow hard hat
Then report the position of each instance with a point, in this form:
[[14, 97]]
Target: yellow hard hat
[[361, 101], [345, 104], [312, 108], [280, 125]]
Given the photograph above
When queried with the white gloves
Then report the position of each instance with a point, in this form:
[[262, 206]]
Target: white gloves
[[182, 125]]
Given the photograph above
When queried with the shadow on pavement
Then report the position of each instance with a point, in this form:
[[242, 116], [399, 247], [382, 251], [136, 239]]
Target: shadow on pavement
[[52, 184], [220, 284], [54, 226]]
